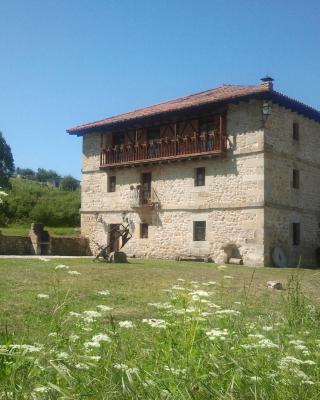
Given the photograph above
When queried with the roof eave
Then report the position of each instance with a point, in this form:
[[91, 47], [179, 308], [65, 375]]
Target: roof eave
[[277, 97]]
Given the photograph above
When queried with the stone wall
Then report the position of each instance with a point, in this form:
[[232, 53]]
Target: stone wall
[[59, 245], [69, 246], [15, 245], [231, 202], [284, 204]]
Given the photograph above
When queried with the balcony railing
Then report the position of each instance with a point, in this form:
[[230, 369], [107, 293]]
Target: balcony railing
[[164, 148], [143, 198]]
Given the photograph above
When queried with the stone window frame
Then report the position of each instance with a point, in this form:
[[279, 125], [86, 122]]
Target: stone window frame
[[199, 231], [295, 178], [112, 183], [295, 131], [144, 231], [198, 181], [296, 233]]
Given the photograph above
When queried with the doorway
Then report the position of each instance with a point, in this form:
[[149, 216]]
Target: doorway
[[114, 237]]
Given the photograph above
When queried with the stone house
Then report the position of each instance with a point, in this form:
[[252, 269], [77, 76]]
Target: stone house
[[229, 172]]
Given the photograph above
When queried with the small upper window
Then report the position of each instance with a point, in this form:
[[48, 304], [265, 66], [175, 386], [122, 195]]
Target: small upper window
[[112, 183], [199, 231], [200, 176], [144, 230], [295, 178], [295, 234], [295, 131]]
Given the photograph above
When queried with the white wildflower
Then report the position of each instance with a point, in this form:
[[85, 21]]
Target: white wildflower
[[175, 371], [161, 306], [104, 308], [74, 338], [63, 355], [255, 378], [94, 358], [180, 280], [101, 337], [52, 334], [61, 266], [82, 366], [103, 292], [126, 368], [267, 328], [74, 273], [74, 314], [267, 344], [126, 324], [92, 314], [155, 323], [92, 344], [42, 296], [217, 334], [26, 347], [200, 293], [177, 287], [287, 361], [41, 389]]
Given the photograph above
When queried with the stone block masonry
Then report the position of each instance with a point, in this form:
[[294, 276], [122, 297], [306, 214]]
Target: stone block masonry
[[231, 202]]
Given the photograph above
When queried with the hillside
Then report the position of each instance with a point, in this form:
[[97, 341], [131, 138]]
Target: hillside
[[30, 201]]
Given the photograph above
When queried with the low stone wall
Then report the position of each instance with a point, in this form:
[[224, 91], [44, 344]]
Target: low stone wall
[[16, 245], [59, 246], [69, 246]]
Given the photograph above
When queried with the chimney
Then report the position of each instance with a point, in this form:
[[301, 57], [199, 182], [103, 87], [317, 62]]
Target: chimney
[[267, 81]]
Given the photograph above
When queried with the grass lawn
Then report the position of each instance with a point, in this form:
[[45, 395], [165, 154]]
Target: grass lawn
[[216, 332], [23, 230]]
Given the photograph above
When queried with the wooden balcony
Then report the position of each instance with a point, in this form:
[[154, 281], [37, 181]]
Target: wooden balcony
[[168, 148]]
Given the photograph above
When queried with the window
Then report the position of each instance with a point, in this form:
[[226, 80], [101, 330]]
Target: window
[[199, 231], [112, 183], [295, 178], [144, 231], [118, 139], [295, 234], [200, 176], [295, 131]]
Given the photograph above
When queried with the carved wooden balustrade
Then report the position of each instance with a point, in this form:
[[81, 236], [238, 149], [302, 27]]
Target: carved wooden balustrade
[[178, 147]]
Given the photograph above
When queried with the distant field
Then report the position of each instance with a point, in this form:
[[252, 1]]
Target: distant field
[[155, 329], [22, 230]]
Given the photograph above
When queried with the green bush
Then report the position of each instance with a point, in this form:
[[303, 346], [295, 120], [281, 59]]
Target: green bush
[[58, 209], [30, 201]]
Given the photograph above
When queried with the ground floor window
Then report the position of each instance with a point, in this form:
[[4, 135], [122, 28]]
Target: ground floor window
[[199, 231], [295, 234], [144, 228]]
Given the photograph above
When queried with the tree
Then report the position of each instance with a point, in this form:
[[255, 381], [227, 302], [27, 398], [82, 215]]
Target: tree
[[69, 183], [6, 162], [48, 176], [27, 173]]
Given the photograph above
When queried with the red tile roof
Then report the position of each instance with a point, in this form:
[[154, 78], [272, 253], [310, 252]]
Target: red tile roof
[[226, 93]]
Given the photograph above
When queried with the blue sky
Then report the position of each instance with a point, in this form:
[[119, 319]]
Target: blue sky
[[65, 62]]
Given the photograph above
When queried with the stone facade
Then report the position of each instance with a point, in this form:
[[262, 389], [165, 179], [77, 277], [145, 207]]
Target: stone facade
[[284, 204], [231, 202], [248, 201]]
